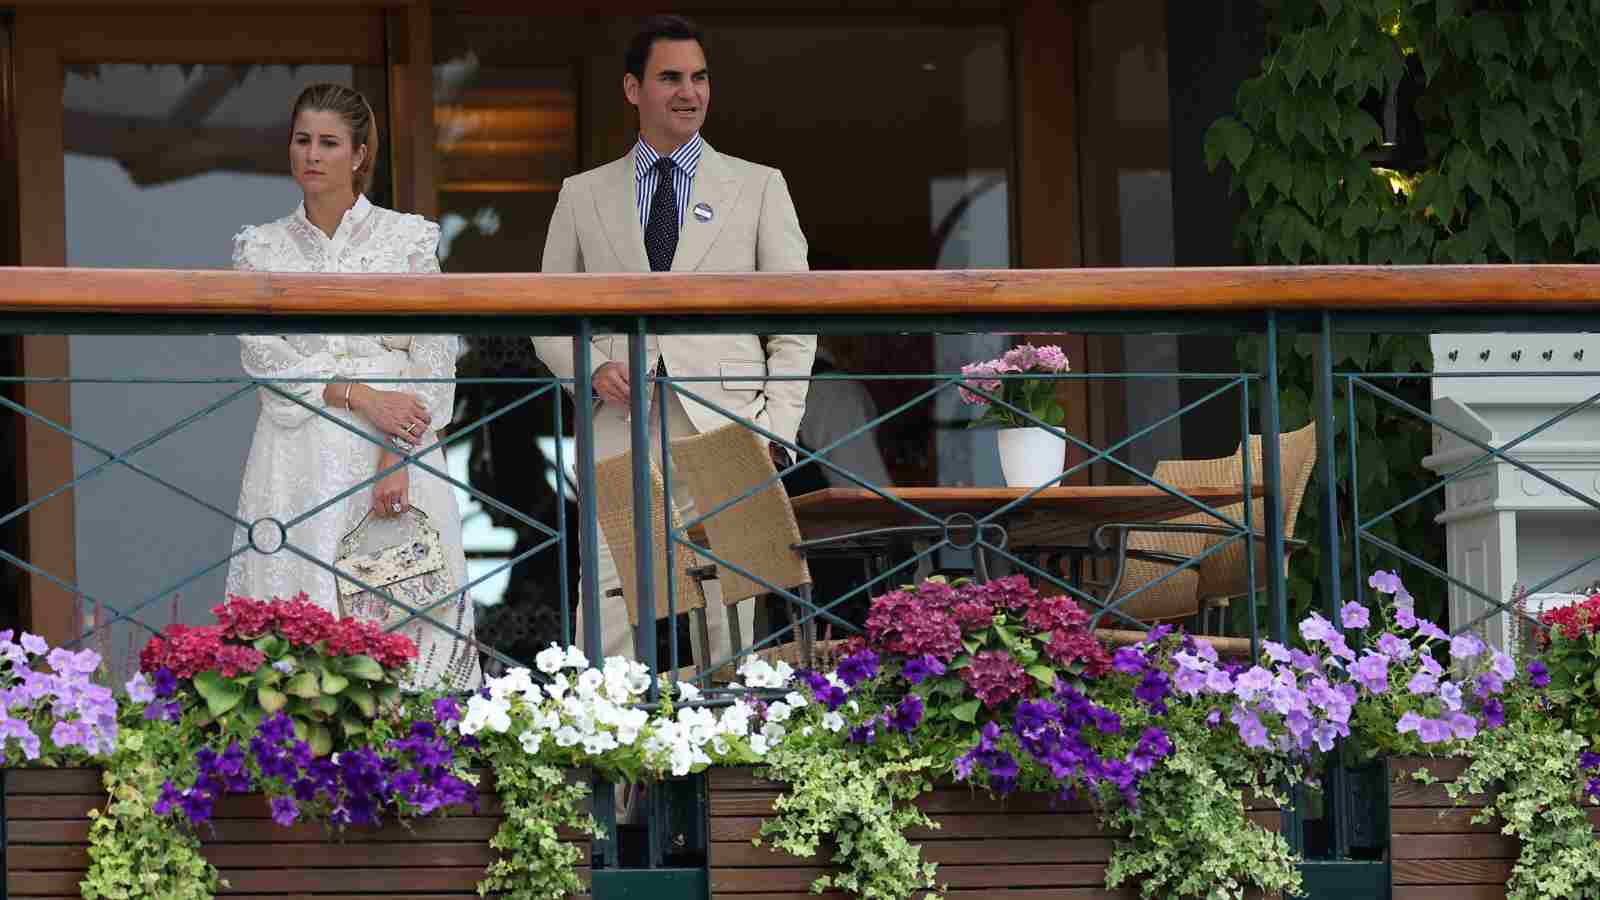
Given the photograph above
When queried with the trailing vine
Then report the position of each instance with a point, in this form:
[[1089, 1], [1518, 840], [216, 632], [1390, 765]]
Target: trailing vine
[[133, 852], [861, 808], [1530, 772], [538, 801], [1492, 168]]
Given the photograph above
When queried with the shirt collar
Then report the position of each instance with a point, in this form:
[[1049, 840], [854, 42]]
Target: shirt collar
[[686, 157], [353, 216]]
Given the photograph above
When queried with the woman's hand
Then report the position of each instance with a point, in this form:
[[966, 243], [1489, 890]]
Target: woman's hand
[[389, 495], [392, 412]]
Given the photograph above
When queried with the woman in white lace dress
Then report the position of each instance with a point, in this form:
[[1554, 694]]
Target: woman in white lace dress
[[300, 460]]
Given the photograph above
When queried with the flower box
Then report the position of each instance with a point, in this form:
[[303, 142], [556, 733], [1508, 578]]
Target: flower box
[[984, 845], [1436, 850], [47, 845]]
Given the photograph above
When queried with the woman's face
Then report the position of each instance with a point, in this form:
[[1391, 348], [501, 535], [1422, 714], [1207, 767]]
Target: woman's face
[[322, 156]]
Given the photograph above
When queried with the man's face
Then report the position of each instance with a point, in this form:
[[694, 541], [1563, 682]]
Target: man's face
[[674, 94]]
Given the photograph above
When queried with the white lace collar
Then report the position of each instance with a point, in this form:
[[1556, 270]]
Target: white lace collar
[[352, 218]]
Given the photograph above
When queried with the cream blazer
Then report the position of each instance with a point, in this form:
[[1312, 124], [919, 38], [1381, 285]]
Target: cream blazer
[[753, 228]]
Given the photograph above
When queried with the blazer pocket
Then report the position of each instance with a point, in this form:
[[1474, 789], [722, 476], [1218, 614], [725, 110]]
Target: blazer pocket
[[734, 373]]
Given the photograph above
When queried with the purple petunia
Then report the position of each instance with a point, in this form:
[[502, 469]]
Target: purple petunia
[[1354, 615], [1385, 582], [284, 811], [446, 710], [1372, 672], [1538, 674], [858, 667], [920, 668], [907, 714], [1465, 646], [1494, 714], [1394, 647], [1128, 661]]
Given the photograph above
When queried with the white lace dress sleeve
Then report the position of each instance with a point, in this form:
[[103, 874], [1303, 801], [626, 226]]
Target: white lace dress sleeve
[[271, 356], [431, 356]]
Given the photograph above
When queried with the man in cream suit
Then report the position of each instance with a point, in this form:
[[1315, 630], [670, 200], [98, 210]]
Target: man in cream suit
[[675, 204]]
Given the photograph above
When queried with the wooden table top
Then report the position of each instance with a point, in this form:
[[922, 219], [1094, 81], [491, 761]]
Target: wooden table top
[[1056, 516]]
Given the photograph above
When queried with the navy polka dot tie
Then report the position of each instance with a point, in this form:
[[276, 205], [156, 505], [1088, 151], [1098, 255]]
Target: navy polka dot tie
[[661, 233]]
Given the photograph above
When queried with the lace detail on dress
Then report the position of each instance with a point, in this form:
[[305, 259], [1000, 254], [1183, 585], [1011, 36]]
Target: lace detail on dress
[[300, 459]]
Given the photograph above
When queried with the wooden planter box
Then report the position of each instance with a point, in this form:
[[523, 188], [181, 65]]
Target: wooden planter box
[[1027, 842], [1436, 851], [47, 846]]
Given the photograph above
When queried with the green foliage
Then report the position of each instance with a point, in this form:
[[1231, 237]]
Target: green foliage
[[332, 699], [859, 802], [539, 801], [1530, 770], [133, 853], [1508, 106], [1190, 835]]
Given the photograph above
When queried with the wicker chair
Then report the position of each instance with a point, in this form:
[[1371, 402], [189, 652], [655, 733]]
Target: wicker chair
[[1147, 552], [614, 507], [758, 535]]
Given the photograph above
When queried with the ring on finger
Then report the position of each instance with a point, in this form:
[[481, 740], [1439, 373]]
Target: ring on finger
[[396, 506]]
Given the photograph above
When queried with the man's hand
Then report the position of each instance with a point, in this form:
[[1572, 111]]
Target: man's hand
[[611, 383]]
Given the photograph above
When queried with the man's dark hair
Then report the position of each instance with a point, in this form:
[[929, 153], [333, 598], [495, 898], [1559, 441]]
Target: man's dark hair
[[659, 28]]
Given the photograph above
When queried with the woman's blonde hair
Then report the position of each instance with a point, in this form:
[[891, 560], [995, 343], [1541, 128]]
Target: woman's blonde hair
[[356, 113]]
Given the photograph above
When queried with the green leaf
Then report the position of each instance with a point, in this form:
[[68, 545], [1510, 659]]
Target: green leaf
[[325, 705], [363, 667], [363, 698], [320, 738], [1501, 227], [352, 726], [965, 712], [220, 694], [1043, 674], [271, 646], [271, 700], [303, 685], [1227, 139], [333, 682]]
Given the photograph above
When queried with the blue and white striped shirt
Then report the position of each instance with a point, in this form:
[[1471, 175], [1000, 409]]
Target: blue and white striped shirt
[[686, 159]]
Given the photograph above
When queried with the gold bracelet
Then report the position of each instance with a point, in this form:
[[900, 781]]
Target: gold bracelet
[[348, 386]]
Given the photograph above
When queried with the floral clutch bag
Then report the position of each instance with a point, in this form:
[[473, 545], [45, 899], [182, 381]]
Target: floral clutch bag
[[401, 556]]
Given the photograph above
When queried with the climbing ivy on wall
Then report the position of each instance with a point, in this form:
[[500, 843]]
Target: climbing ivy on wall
[[1501, 164]]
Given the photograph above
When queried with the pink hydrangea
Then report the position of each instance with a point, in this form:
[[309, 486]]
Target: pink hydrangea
[[995, 677]]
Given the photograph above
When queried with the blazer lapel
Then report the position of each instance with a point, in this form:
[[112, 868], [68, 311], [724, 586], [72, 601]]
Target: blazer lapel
[[717, 188], [619, 215]]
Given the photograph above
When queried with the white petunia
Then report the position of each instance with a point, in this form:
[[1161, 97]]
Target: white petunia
[[558, 686], [778, 712], [758, 745], [589, 683], [773, 732], [567, 736], [549, 659], [595, 744], [574, 659], [833, 722], [795, 699], [530, 742], [719, 745], [687, 692], [484, 712]]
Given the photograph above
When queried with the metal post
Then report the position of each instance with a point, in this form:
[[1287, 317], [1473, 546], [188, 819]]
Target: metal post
[[1338, 807], [1272, 527], [1248, 478], [643, 546], [667, 511], [604, 799], [563, 575], [588, 521]]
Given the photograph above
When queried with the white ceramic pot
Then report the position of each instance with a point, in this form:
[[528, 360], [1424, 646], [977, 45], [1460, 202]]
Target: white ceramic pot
[[1030, 457]]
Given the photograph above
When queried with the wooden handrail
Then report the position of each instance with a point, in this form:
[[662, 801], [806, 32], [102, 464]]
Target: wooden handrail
[[1223, 289]]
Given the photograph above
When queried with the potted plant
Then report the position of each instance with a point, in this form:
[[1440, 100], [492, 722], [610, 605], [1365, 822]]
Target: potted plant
[[1030, 455]]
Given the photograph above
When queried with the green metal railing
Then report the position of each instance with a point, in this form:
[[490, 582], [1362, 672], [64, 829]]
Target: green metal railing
[[1267, 302]]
